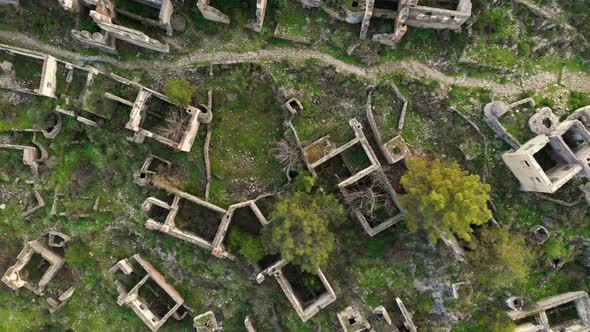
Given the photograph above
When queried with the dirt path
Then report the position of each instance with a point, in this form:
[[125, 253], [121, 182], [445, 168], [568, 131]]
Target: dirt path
[[577, 81]]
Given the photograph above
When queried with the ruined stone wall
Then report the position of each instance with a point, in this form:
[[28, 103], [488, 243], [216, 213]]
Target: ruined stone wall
[[438, 18], [260, 13], [211, 13]]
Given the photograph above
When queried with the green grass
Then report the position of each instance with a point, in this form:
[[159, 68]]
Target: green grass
[[246, 125], [578, 100], [528, 215]]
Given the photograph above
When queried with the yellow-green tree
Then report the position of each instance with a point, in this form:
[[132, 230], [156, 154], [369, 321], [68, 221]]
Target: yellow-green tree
[[180, 91], [500, 253], [300, 230], [443, 198]]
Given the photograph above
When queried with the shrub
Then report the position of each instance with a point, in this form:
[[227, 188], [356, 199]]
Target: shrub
[[180, 91], [246, 244], [500, 253]]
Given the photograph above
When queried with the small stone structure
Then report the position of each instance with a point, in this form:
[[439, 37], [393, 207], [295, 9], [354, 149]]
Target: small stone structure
[[213, 14], [49, 247], [304, 310], [324, 149], [165, 10], [462, 290], [352, 320], [495, 110], [547, 162], [47, 84], [167, 225], [409, 13], [540, 234], [559, 152], [151, 166], [32, 159], [151, 283], [515, 302], [395, 149], [103, 16], [187, 118], [294, 106], [207, 323], [543, 311]]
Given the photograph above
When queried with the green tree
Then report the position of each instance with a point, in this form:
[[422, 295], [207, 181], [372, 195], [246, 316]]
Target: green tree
[[501, 258], [299, 230], [180, 91], [442, 198]]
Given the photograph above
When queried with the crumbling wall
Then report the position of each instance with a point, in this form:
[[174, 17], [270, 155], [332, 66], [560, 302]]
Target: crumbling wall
[[540, 308], [260, 13], [438, 18], [304, 311], [131, 297], [211, 13], [46, 246]]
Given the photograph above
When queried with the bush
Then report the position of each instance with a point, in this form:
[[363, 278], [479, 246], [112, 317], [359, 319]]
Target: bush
[[578, 100], [500, 253], [556, 248], [246, 244], [180, 91]]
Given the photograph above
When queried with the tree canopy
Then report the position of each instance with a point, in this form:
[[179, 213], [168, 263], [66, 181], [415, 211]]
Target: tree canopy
[[500, 253], [180, 91], [300, 231], [442, 198]]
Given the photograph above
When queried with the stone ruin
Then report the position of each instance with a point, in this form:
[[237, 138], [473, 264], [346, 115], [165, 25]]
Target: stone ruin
[[305, 308], [539, 234], [161, 19], [46, 253], [207, 323], [164, 213], [462, 290], [170, 124], [394, 149], [430, 14], [32, 157], [85, 207], [564, 312], [47, 83], [323, 149], [352, 319], [142, 288], [165, 222], [559, 152], [213, 14], [293, 106], [184, 121], [103, 12]]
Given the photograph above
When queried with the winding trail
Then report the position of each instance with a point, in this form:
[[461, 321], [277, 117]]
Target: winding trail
[[577, 81]]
